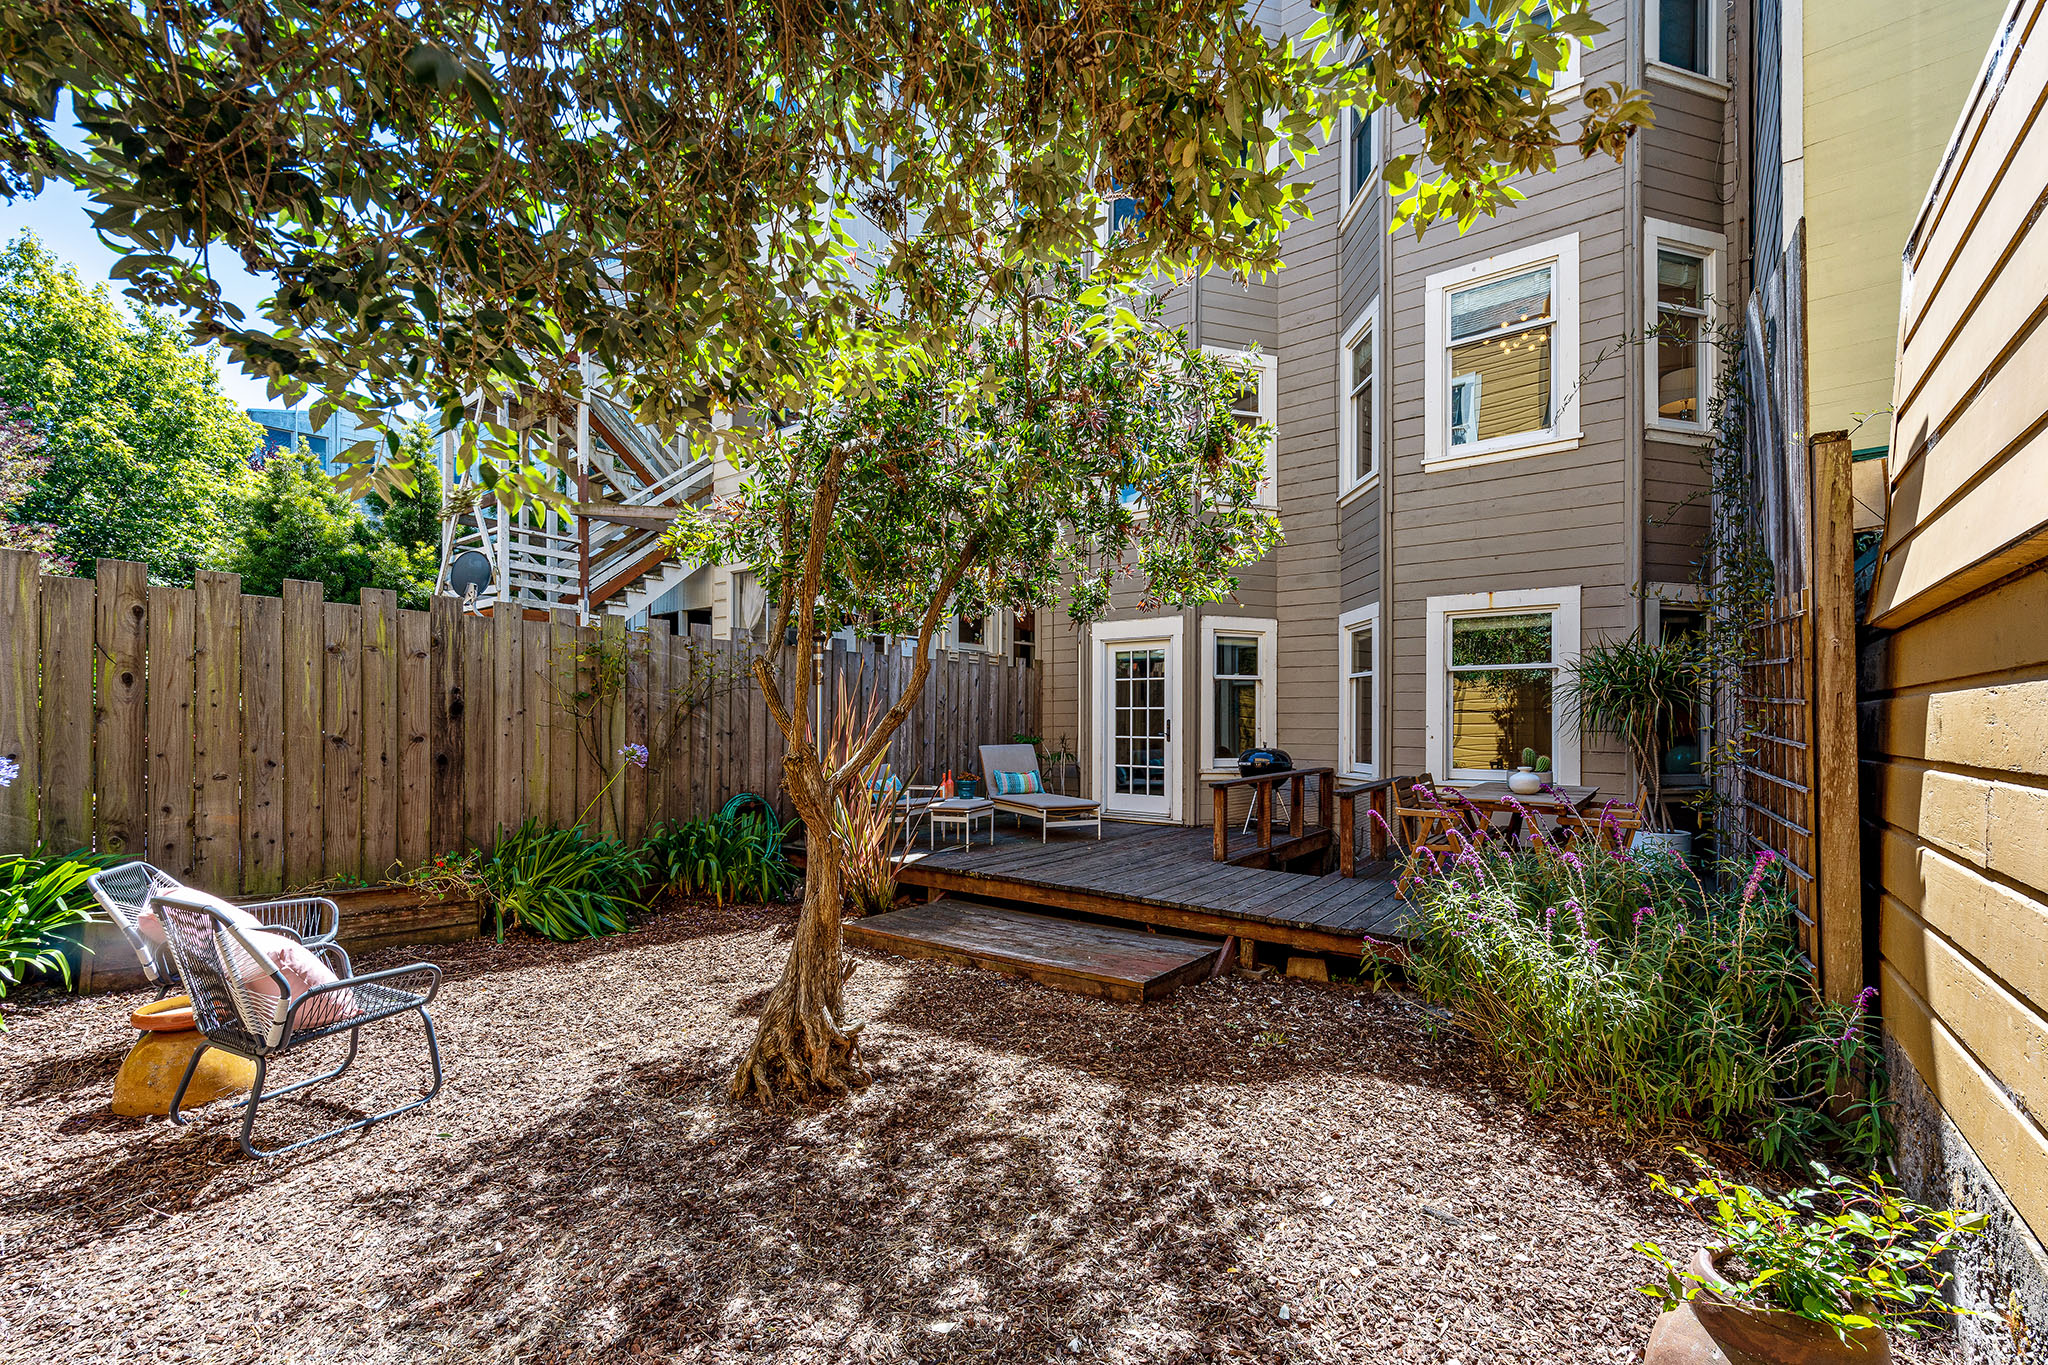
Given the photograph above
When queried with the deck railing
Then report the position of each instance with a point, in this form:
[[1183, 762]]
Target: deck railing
[[1301, 838], [1378, 796]]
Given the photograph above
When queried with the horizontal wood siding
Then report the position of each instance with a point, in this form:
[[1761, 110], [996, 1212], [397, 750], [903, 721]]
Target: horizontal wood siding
[[1954, 737], [1968, 460]]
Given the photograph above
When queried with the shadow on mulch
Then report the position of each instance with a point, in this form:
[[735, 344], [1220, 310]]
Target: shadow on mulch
[[934, 1219]]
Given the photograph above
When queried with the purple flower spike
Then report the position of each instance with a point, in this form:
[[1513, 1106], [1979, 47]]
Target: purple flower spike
[[1756, 877], [1642, 913], [1592, 950]]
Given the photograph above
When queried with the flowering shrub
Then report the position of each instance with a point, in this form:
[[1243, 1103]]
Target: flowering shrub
[[1623, 979]]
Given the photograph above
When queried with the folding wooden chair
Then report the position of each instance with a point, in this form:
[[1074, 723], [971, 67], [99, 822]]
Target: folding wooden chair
[[1430, 831]]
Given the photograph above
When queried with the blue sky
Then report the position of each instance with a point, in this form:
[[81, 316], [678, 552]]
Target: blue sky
[[60, 218]]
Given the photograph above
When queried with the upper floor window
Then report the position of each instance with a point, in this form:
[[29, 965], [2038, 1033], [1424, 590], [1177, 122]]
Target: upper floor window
[[1359, 394], [1685, 44], [1255, 404], [1502, 336], [1361, 152], [1681, 267]]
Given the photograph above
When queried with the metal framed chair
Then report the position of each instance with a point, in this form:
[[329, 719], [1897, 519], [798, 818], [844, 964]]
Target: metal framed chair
[[218, 962], [124, 893]]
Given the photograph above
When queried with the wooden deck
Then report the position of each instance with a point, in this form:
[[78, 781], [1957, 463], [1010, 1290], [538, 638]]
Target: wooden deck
[[1130, 965], [1165, 876]]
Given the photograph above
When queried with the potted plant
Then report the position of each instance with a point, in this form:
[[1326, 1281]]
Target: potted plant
[[1637, 692], [1528, 779], [1824, 1274]]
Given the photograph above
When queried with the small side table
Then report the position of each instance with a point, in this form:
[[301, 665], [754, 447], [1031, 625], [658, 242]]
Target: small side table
[[962, 811]]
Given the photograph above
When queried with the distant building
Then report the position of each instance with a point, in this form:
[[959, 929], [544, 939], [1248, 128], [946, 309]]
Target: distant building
[[284, 428]]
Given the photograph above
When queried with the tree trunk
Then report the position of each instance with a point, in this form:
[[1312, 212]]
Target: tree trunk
[[806, 1049]]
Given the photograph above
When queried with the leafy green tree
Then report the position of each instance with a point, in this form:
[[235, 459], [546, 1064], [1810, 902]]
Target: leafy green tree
[[411, 516], [1069, 443], [486, 195], [147, 458], [300, 526]]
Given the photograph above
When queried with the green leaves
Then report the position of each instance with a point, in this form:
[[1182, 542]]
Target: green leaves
[[41, 899], [1847, 1253], [562, 883]]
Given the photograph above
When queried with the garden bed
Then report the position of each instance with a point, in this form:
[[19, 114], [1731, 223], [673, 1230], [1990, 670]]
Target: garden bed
[[1035, 1176]]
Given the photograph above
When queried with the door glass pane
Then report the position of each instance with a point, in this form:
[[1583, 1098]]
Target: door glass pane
[[1481, 641], [1138, 722]]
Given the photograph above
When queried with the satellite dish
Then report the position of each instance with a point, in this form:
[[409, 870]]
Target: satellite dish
[[470, 574]]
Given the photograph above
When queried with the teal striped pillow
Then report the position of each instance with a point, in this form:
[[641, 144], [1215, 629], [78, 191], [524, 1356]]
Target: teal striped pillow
[[1017, 784]]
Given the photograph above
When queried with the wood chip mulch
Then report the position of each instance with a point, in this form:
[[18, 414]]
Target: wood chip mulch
[[1251, 1170]]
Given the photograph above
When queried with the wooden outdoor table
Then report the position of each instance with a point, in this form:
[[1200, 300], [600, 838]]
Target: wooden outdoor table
[[1487, 799]]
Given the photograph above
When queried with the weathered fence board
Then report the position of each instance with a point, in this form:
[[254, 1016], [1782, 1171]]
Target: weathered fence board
[[257, 744]]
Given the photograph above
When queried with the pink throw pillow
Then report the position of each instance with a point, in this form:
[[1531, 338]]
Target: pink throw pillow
[[151, 928], [302, 970]]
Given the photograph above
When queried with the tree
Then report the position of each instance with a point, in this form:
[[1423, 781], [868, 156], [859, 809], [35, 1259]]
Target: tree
[[411, 517], [482, 195], [22, 462], [300, 526], [1068, 443], [146, 459]]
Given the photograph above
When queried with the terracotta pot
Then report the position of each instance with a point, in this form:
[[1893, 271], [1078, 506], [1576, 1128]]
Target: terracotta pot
[[1715, 1327]]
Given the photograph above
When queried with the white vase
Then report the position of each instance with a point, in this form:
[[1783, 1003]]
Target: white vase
[[1674, 841], [1525, 782]]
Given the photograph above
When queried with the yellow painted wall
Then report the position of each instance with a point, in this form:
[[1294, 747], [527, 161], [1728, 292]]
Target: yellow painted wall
[[1884, 83]]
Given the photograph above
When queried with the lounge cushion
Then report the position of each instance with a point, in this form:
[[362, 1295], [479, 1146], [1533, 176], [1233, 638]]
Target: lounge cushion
[[1017, 784], [152, 928], [302, 970], [1046, 802]]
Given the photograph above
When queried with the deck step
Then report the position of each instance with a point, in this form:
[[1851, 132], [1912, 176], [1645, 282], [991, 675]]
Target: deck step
[[1090, 959]]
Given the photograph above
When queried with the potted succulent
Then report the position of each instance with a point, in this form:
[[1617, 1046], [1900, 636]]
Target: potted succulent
[[1824, 1274], [1528, 779], [1637, 692]]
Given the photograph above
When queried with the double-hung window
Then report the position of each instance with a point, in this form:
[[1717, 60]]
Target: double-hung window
[[1361, 152], [1494, 661], [1256, 404], [1358, 384], [1358, 701], [1237, 678], [1503, 340], [1681, 274]]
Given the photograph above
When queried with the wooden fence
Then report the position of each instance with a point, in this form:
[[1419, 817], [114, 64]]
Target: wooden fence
[[254, 744]]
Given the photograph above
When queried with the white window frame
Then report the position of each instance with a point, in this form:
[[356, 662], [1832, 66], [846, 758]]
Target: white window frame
[[1713, 82], [1562, 255], [1267, 631], [1713, 248], [1267, 379], [1350, 621], [1565, 83], [1368, 325], [1563, 606], [1355, 192]]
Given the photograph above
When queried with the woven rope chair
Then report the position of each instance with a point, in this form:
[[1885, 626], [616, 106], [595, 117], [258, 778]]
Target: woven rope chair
[[217, 962], [124, 892]]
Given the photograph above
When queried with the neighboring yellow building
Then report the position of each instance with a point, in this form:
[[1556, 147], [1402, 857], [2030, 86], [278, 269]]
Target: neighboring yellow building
[[1876, 89]]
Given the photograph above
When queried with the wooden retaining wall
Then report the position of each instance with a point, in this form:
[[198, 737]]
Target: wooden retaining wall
[[252, 744]]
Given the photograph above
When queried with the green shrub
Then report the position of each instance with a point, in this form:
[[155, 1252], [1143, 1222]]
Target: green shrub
[[726, 858], [42, 898], [1848, 1254], [1624, 980], [561, 883]]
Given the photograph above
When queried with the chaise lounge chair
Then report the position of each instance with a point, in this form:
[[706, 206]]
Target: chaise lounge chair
[[1014, 784]]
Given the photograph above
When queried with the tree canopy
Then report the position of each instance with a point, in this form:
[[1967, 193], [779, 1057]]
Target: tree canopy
[[298, 525], [473, 196], [147, 459]]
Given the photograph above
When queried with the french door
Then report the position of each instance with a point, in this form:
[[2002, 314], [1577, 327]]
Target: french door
[[1139, 703]]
